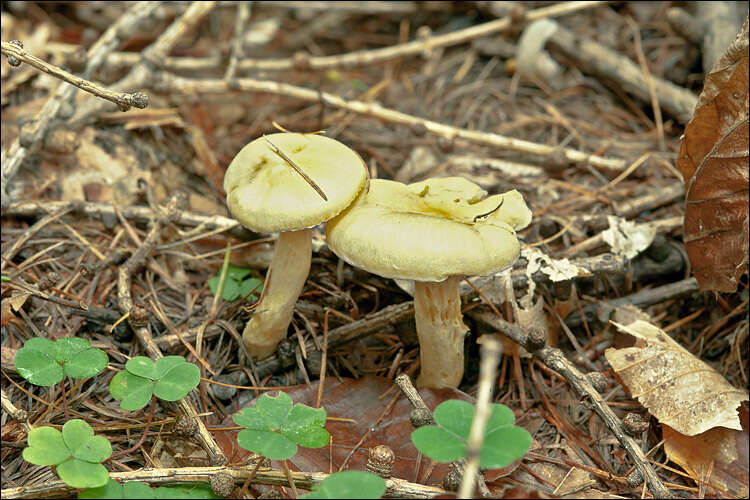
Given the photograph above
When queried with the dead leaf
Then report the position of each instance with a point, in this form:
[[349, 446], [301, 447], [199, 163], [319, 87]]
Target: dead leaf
[[713, 160], [677, 388], [359, 399], [626, 237], [718, 457], [11, 304]]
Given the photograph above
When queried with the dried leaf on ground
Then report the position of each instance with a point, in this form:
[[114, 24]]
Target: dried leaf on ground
[[11, 304], [677, 388], [718, 457], [713, 159], [359, 399], [626, 237]]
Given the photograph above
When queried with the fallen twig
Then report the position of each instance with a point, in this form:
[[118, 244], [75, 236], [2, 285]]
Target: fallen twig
[[30, 141], [394, 487], [123, 100], [412, 48], [177, 84], [556, 360]]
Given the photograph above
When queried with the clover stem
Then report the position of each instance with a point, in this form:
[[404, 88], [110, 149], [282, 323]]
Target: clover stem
[[143, 438], [252, 476], [64, 400], [290, 478]]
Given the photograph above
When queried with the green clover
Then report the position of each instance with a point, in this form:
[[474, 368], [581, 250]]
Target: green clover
[[76, 452], [445, 442], [170, 378], [275, 426], [44, 362]]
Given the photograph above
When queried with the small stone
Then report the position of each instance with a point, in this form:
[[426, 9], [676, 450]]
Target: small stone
[[222, 484], [381, 460]]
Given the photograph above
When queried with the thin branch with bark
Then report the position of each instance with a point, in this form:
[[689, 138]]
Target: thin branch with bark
[[123, 100]]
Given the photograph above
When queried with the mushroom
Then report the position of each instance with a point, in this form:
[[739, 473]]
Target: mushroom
[[434, 232], [288, 183]]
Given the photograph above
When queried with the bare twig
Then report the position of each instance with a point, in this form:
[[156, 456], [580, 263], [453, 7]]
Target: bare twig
[[491, 352], [17, 414], [30, 141], [151, 57], [240, 23], [397, 488], [123, 100], [556, 360], [593, 57], [139, 214], [141, 328], [413, 48], [174, 83]]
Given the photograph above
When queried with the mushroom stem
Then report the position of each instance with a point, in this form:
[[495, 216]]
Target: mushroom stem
[[441, 332], [289, 268]]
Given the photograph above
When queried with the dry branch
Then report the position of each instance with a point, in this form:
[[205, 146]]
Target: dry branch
[[416, 47], [141, 327], [60, 100], [556, 360], [123, 100], [176, 84], [395, 488], [593, 57]]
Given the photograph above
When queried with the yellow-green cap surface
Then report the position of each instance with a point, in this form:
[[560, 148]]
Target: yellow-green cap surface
[[266, 195], [430, 230]]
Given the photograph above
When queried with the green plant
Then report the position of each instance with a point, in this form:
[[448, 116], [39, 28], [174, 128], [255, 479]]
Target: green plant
[[76, 452], [445, 442], [275, 426], [44, 362], [137, 489], [349, 484], [169, 378], [237, 284]]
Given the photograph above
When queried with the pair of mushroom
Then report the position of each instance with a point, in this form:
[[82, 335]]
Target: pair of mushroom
[[434, 232]]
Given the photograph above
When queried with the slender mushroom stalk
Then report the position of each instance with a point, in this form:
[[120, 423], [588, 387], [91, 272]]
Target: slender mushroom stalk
[[289, 268], [441, 332], [288, 183]]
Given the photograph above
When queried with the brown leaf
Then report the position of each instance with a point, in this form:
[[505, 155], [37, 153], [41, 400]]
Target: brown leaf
[[677, 388], [718, 457], [359, 399], [713, 159]]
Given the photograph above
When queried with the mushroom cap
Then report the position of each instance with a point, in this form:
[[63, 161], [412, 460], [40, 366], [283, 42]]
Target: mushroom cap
[[265, 194], [429, 230]]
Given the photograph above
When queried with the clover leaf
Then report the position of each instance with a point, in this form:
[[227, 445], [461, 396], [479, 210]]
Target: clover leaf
[[236, 284], [349, 484], [445, 442], [44, 362], [275, 426], [137, 489], [76, 452], [170, 378]]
